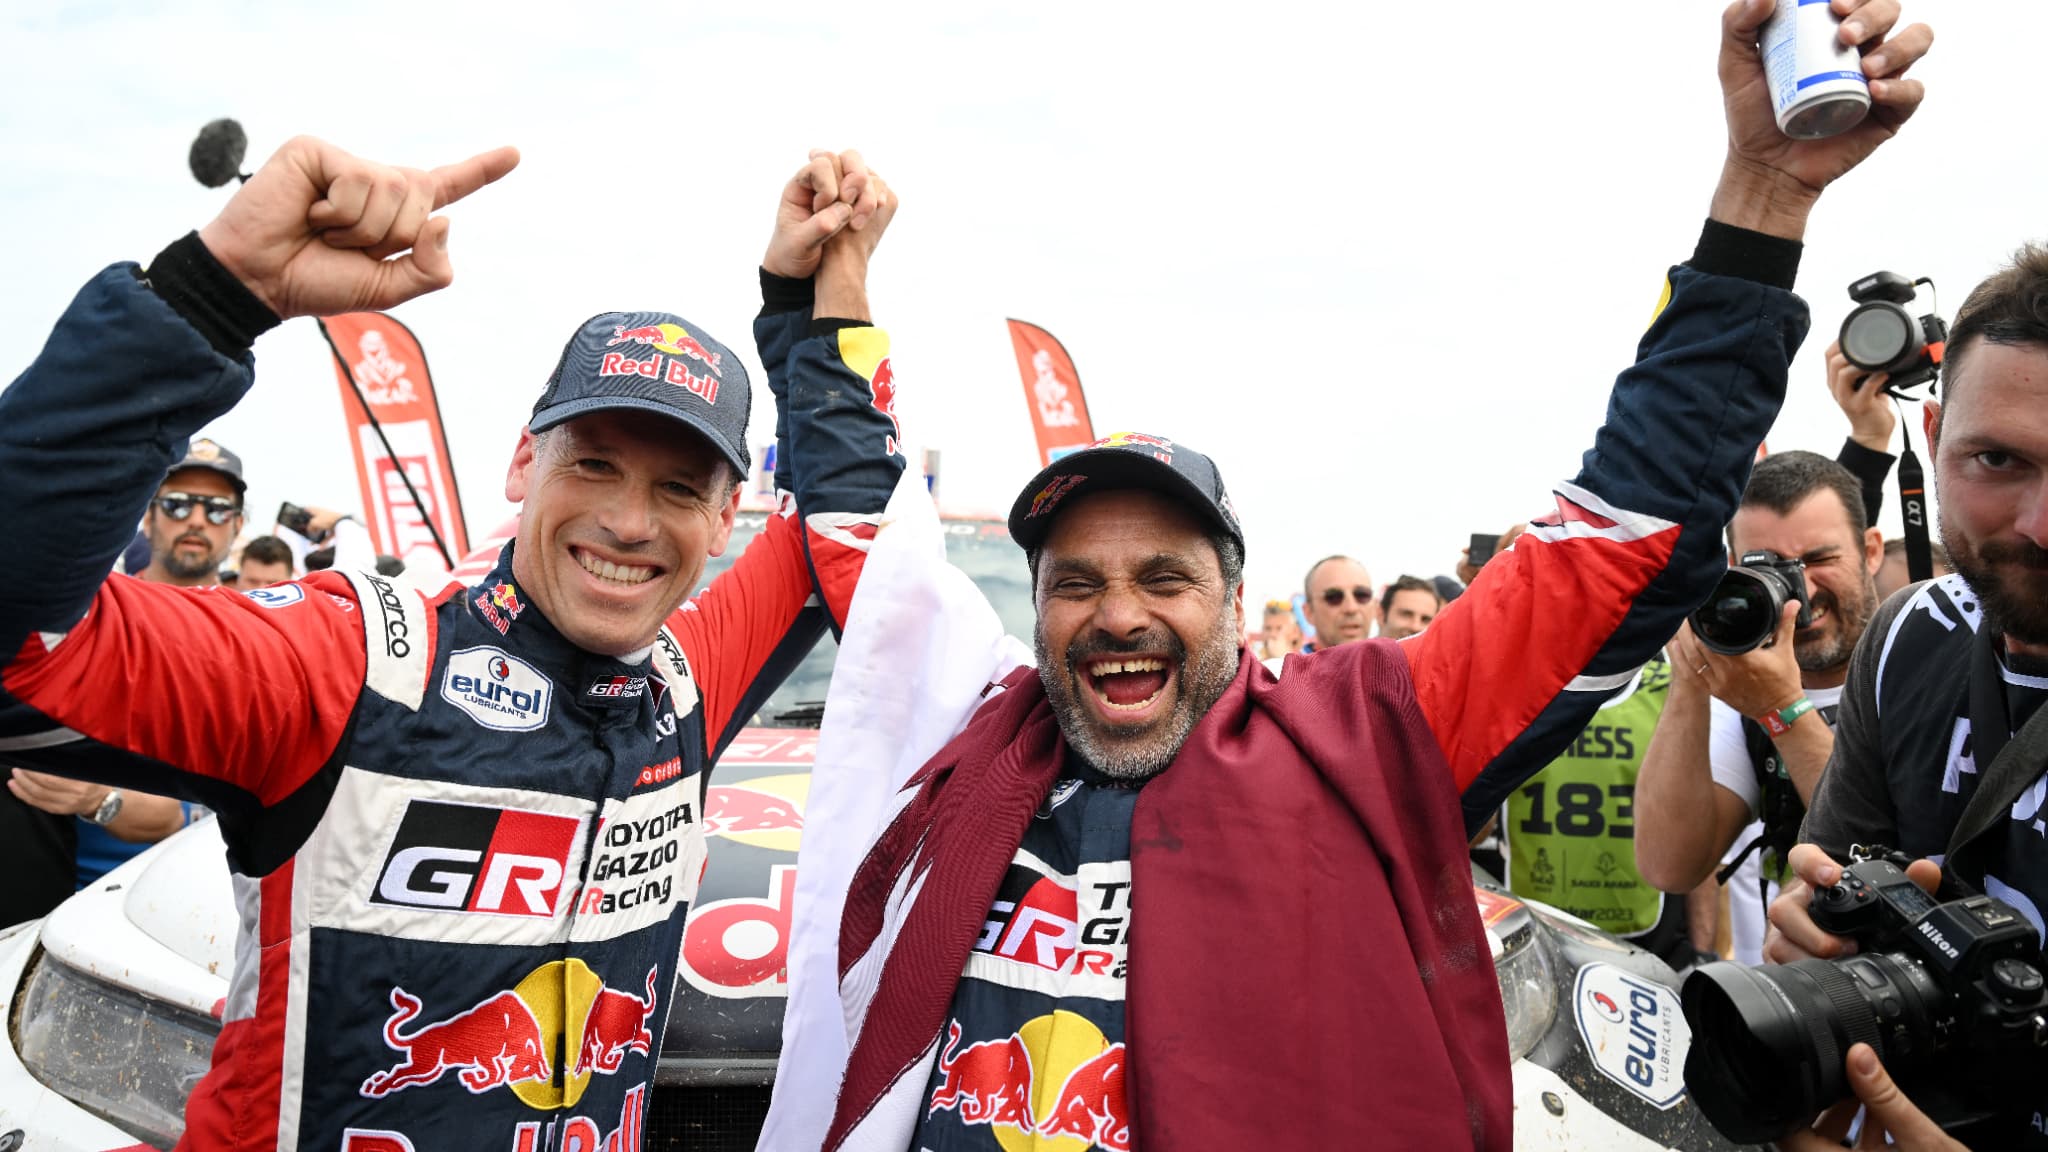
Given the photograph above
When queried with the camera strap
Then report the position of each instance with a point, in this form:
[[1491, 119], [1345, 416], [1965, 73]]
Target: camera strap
[[2008, 762], [1913, 510]]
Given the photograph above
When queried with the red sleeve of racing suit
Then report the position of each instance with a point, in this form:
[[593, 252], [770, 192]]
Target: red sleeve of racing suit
[[745, 632], [1512, 670], [204, 695], [208, 694]]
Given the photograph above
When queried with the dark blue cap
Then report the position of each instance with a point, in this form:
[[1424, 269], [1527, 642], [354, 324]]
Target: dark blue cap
[[1124, 460], [652, 362]]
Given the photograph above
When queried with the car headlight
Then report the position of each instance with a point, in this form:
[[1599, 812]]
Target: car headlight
[[1527, 988], [128, 1058]]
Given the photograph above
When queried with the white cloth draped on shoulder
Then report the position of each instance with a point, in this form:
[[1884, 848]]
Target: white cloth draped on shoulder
[[921, 643]]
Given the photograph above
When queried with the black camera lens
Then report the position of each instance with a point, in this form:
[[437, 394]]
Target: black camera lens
[[1768, 1043], [1879, 335], [1741, 614]]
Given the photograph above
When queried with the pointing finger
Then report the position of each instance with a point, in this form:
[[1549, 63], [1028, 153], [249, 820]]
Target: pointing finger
[[454, 181]]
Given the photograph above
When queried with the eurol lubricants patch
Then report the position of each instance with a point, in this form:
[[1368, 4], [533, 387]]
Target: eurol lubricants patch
[[1634, 1031]]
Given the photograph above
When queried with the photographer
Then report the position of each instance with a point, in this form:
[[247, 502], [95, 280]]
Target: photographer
[[1952, 767], [1747, 735]]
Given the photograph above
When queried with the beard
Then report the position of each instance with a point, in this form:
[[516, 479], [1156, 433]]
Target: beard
[[181, 565], [1831, 647], [1199, 681], [2010, 579]]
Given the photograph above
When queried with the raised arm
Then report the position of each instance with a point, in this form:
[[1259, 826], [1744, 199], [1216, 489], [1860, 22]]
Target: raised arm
[[836, 453], [206, 695], [1515, 668]]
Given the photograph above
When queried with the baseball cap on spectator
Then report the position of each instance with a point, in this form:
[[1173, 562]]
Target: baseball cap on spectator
[[651, 362], [1124, 460], [204, 453], [1447, 588]]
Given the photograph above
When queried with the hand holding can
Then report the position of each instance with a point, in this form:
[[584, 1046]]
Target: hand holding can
[[1817, 84]]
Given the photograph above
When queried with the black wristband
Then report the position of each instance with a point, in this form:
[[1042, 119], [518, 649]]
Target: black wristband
[[1725, 250], [785, 294], [827, 325], [207, 295]]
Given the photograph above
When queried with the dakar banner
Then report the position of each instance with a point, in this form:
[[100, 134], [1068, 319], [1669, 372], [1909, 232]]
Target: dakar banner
[[1052, 390], [408, 488]]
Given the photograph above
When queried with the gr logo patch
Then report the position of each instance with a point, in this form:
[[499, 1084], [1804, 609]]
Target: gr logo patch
[[474, 859]]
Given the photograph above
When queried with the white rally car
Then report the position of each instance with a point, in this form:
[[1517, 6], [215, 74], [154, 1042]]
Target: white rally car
[[113, 1001]]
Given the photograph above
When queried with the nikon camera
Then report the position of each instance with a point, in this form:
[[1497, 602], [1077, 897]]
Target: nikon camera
[[1743, 611], [1951, 996]]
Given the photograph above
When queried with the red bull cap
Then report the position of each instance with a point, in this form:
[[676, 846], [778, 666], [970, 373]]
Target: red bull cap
[[657, 363], [1123, 460]]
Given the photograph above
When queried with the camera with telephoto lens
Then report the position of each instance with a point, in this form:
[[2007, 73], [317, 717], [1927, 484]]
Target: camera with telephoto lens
[[1743, 611], [1951, 996], [1879, 335]]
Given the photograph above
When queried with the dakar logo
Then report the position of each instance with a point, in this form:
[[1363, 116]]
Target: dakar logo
[[1050, 496], [382, 377], [1055, 410], [885, 403]]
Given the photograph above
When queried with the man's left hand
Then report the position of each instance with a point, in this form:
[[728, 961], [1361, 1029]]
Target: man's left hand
[[57, 795], [1890, 1114], [1761, 680]]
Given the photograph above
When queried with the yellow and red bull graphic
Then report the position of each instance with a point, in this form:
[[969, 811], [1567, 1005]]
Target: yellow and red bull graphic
[[673, 347], [1159, 446], [1049, 497], [379, 360], [508, 1040], [766, 812], [1056, 1084], [1052, 392], [499, 606], [670, 338]]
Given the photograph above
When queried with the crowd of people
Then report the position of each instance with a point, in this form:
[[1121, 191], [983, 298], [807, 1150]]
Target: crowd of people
[[436, 791]]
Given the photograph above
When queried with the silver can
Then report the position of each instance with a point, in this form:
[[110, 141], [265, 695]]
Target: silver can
[[1817, 84]]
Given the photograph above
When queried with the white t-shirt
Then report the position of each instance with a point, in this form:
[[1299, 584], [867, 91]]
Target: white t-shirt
[[1732, 770]]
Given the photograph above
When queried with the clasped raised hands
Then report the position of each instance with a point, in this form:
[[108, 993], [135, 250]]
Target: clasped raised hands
[[834, 204]]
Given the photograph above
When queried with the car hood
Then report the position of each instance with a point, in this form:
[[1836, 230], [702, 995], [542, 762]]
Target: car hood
[[163, 924]]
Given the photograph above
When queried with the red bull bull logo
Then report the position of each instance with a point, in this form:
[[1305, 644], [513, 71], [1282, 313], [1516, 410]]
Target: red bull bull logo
[[1049, 497], [616, 1025], [499, 606], [884, 385], [488, 1046], [1056, 1085], [765, 812], [505, 1041], [1160, 447], [670, 338]]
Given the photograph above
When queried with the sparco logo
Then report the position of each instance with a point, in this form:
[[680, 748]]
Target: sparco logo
[[498, 690], [397, 643], [1941, 942]]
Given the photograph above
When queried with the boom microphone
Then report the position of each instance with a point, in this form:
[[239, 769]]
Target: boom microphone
[[216, 156]]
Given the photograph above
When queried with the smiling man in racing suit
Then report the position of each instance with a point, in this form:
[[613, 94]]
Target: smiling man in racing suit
[[462, 823]]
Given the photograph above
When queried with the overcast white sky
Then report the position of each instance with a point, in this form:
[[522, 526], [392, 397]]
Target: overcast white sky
[[1381, 262]]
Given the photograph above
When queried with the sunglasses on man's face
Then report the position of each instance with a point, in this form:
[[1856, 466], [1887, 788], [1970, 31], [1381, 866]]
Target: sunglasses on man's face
[[1335, 596], [178, 505]]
